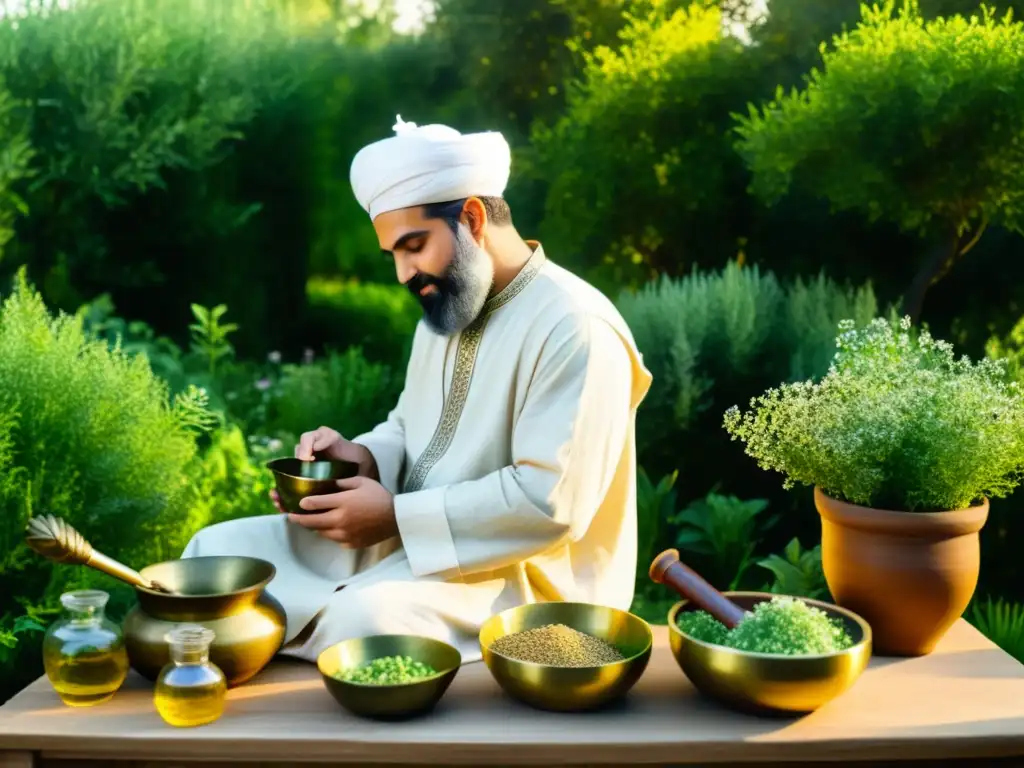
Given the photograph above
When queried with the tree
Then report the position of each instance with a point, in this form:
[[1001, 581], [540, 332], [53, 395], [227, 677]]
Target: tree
[[915, 122], [642, 176], [517, 60]]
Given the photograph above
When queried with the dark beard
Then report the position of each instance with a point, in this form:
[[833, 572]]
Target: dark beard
[[459, 296]]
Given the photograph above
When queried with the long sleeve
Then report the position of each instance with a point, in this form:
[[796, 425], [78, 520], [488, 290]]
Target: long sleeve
[[386, 442], [567, 442]]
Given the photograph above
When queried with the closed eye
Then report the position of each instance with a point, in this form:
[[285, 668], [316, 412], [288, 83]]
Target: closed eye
[[411, 242]]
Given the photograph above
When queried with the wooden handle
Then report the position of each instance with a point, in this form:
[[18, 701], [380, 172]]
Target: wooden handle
[[669, 570], [55, 540]]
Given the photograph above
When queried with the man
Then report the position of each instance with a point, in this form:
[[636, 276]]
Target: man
[[506, 473]]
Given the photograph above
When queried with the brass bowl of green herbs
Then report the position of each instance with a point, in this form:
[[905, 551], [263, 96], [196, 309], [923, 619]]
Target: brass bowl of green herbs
[[607, 660], [784, 682], [389, 677]]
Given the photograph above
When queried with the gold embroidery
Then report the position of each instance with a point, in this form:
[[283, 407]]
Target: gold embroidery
[[523, 279], [465, 361]]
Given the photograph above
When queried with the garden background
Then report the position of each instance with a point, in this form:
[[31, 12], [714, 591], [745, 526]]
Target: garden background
[[189, 283]]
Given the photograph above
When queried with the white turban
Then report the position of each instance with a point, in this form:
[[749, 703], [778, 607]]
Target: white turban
[[429, 164]]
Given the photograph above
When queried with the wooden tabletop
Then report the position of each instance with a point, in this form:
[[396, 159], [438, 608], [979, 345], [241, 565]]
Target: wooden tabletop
[[965, 700]]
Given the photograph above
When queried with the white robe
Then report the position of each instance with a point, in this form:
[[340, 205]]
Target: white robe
[[511, 452]]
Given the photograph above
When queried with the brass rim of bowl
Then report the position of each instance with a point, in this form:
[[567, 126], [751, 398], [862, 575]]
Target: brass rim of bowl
[[375, 686], [252, 588], [647, 646], [300, 477], [865, 628]]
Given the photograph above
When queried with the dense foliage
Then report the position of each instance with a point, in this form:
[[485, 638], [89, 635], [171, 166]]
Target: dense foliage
[[714, 336], [176, 176], [651, 113], [930, 119], [87, 433], [898, 423]]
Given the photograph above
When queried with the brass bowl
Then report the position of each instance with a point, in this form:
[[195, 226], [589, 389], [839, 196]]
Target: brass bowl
[[295, 479], [761, 683], [567, 689], [389, 702]]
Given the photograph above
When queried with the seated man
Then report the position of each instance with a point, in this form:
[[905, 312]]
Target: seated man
[[506, 473]]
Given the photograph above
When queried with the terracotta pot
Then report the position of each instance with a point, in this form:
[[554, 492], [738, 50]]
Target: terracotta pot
[[909, 574]]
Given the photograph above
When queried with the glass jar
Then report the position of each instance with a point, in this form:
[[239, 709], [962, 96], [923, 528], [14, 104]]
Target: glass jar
[[190, 689], [83, 652]]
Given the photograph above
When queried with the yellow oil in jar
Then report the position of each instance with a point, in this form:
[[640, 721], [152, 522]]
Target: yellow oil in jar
[[89, 677], [190, 690], [83, 652], [190, 695]]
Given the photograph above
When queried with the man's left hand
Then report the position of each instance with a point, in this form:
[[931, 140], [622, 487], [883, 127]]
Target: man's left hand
[[360, 515]]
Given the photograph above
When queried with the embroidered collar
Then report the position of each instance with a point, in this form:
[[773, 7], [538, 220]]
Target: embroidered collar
[[526, 275]]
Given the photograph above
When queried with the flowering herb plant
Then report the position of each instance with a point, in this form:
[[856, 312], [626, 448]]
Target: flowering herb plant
[[899, 423]]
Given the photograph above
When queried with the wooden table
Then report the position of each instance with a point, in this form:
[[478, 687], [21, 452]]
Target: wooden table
[[963, 703]]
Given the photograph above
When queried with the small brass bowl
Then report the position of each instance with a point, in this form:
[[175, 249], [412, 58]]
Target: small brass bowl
[[297, 479], [389, 702], [762, 683], [568, 689]]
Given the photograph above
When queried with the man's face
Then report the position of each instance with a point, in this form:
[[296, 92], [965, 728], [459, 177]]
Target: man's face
[[448, 272]]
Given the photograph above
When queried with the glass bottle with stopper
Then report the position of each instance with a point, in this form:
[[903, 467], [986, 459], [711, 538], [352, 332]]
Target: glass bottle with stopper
[[83, 652], [190, 690]]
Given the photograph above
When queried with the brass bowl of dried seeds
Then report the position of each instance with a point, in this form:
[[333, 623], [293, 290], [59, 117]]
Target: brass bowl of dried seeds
[[566, 657]]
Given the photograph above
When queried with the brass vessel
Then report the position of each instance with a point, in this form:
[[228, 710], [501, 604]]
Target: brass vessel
[[223, 593], [295, 479], [226, 594], [567, 689], [762, 683], [389, 702]]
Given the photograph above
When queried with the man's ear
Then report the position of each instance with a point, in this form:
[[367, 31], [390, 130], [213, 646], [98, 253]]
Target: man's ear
[[474, 216]]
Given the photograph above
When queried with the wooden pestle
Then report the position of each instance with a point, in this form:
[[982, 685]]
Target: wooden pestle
[[669, 570]]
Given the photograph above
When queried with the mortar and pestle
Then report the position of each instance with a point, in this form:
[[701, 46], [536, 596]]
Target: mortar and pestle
[[757, 683], [226, 594]]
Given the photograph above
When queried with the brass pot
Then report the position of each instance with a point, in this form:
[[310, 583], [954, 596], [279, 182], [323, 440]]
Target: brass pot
[[225, 594], [909, 574]]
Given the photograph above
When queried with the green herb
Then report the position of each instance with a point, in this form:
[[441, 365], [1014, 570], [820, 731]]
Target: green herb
[[783, 626], [702, 626], [898, 423], [388, 670]]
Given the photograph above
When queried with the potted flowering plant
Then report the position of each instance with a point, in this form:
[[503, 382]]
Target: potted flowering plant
[[904, 445]]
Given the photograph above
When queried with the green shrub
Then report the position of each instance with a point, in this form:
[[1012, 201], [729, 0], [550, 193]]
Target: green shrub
[[797, 572], [655, 506], [1010, 349], [15, 163], [898, 423], [227, 481], [650, 113], [722, 532], [342, 391], [379, 318], [1002, 623], [130, 105], [715, 335], [89, 434]]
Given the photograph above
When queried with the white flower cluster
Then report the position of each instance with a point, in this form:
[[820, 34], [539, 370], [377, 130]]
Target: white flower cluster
[[899, 422]]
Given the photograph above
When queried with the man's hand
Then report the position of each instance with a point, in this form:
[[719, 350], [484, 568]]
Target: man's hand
[[360, 515], [330, 444]]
